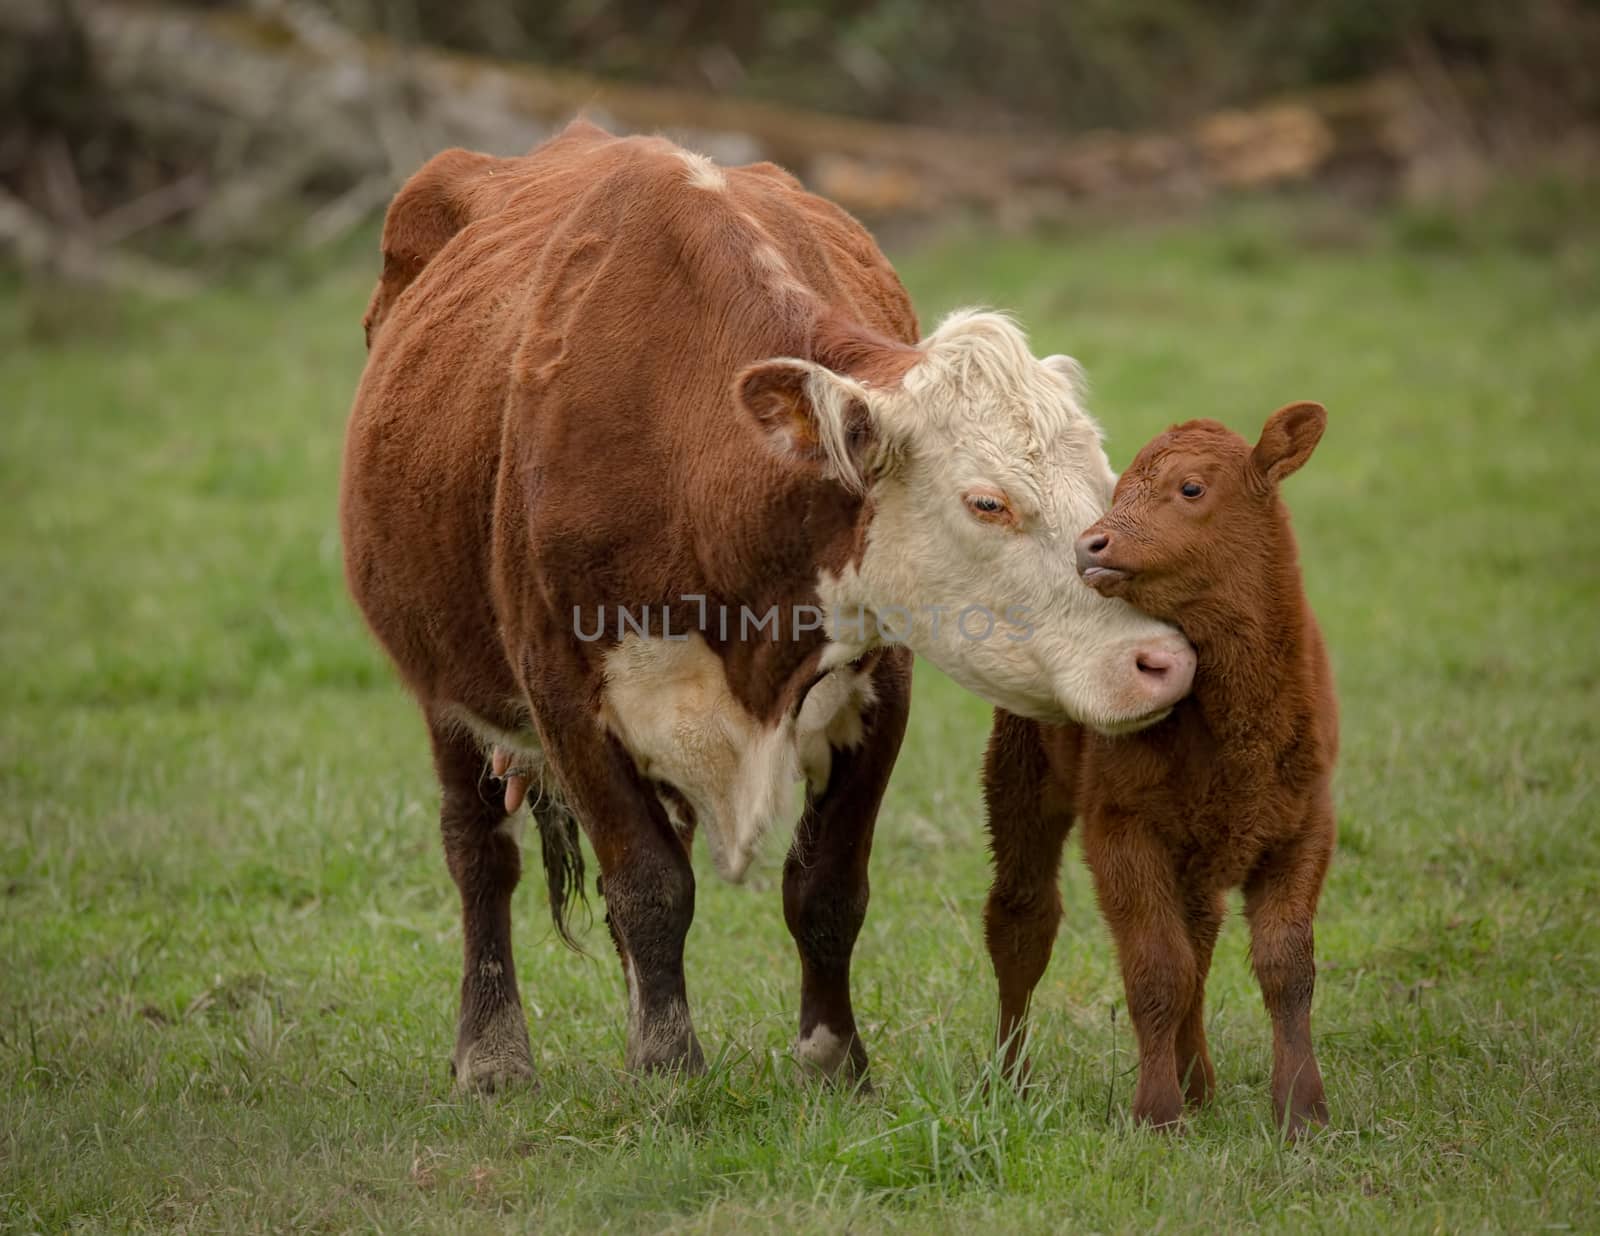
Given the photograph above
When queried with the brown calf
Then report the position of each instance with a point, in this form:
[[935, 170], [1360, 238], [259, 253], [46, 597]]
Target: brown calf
[[1232, 789]]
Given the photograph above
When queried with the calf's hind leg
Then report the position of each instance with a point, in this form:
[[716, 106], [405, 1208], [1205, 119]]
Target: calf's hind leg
[[1281, 902], [485, 861], [1028, 779]]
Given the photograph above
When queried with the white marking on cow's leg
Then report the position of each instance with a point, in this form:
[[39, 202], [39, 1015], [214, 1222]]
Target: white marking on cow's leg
[[703, 173], [823, 1052]]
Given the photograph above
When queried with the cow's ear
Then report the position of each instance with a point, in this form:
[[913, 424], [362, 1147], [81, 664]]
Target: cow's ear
[[811, 414], [1068, 370], [1287, 440]]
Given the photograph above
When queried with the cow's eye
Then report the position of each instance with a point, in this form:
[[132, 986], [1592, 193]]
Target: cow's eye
[[989, 505], [1192, 489]]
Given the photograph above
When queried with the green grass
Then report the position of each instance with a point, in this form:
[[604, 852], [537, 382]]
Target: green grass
[[229, 948]]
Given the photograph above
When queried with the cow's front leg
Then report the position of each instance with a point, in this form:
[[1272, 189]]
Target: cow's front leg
[[486, 862], [825, 885], [649, 893], [645, 875]]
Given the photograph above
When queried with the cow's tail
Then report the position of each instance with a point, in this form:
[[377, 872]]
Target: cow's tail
[[563, 867]]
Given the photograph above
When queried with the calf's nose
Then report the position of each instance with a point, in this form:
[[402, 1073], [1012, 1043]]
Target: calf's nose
[[1090, 546]]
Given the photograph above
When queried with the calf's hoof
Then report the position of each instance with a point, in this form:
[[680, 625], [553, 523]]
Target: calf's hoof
[[496, 1058], [1201, 1086], [1162, 1110], [1306, 1118]]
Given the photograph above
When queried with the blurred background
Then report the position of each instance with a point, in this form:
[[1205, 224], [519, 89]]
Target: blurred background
[[197, 131]]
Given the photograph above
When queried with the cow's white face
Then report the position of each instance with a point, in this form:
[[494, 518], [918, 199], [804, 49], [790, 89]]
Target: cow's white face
[[983, 468]]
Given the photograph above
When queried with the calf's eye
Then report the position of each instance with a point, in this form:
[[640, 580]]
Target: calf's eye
[[1192, 489]]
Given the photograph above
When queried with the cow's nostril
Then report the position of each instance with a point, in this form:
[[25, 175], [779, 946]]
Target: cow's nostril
[[1098, 542], [1154, 664]]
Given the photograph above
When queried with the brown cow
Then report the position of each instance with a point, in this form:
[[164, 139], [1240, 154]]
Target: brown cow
[[1232, 789], [631, 425]]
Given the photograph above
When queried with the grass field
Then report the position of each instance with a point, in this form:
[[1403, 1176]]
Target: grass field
[[229, 949]]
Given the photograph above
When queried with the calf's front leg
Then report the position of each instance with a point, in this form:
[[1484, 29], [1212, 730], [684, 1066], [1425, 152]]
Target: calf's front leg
[[1204, 912], [1139, 896], [1281, 902]]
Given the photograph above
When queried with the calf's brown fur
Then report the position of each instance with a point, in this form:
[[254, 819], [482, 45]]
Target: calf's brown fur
[[1232, 790]]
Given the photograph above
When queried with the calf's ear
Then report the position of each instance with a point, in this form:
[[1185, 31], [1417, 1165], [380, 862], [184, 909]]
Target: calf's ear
[[814, 416], [1287, 440]]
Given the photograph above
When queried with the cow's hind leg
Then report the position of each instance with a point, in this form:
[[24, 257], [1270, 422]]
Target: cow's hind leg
[[825, 886], [485, 860]]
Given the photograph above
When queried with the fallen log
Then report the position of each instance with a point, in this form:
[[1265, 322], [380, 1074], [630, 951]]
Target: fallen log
[[281, 105]]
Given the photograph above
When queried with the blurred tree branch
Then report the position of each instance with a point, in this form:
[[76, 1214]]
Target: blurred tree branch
[[241, 124]]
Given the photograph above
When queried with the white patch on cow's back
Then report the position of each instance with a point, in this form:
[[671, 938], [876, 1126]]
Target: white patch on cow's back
[[768, 256], [780, 278], [669, 704], [703, 173]]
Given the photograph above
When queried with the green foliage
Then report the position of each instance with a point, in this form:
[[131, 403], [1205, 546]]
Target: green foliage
[[1069, 65], [229, 950]]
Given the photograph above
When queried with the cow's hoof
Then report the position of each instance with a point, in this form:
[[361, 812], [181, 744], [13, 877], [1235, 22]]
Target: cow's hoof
[[663, 1042], [499, 1058], [490, 1077], [688, 1062], [677, 1052], [834, 1058]]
